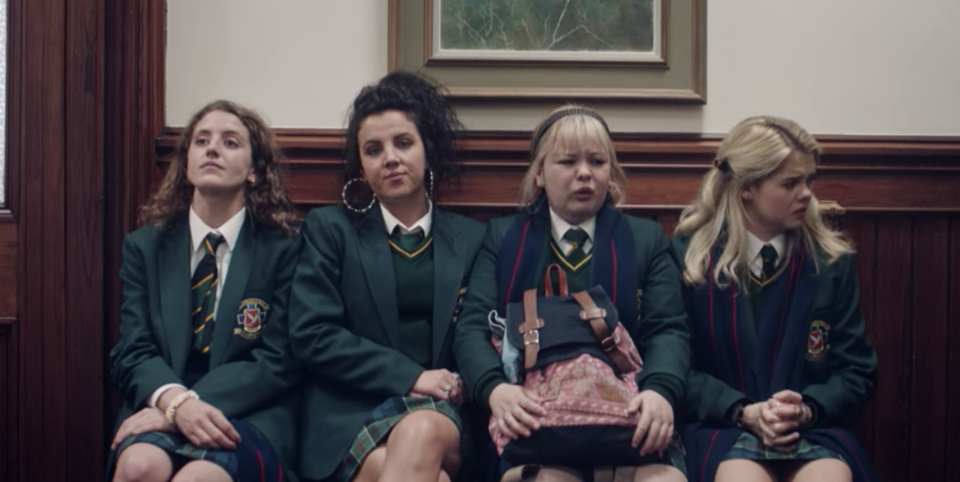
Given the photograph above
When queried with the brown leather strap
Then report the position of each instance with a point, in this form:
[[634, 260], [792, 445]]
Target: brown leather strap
[[594, 315], [530, 329], [561, 281]]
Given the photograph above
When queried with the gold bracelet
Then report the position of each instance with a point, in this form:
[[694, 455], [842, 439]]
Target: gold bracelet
[[175, 404]]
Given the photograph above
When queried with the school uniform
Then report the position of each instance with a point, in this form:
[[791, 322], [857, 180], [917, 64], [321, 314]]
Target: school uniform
[[797, 326], [372, 307], [629, 257], [160, 347]]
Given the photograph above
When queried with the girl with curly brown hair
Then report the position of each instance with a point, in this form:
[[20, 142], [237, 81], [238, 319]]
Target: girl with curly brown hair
[[205, 282]]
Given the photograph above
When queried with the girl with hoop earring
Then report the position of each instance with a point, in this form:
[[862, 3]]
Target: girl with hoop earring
[[375, 296]]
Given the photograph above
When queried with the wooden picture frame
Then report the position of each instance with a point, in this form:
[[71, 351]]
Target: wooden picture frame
[[677, 73]]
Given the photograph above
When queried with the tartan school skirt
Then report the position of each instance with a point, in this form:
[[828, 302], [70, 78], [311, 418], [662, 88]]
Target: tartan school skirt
[[378, 426], [749, 447], [254, 459]]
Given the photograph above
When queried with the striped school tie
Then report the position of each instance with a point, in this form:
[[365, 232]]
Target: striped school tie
[[577, 238], [203, 294]]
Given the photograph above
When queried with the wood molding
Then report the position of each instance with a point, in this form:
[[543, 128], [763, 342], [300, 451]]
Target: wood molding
[[875, 174], [6, 217]]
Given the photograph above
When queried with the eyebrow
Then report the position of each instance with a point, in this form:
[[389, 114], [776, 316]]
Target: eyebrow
[[225, 133]]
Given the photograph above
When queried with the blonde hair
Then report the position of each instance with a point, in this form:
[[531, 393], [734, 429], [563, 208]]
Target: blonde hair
[[752, 151], [572, 130]]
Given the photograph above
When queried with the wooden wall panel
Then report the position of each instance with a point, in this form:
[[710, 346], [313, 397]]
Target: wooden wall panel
[[8, 270], [42, 417], [929, 344], [57, 128], [82, 215], [8, 400], [862, 230], [952, 376], [892, 341]]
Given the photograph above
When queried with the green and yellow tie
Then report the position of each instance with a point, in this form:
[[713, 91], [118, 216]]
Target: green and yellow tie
[[576, 237], [203, 294]]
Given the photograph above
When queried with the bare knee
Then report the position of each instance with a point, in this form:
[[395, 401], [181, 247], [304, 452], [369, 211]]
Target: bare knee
[[143, 463], [372, 466], [426, 428], [742, 470], [202, 471], [820, 470], [658, 473]]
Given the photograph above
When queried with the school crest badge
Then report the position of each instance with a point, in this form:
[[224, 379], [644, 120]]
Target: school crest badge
[[818, 340], [250, 317]]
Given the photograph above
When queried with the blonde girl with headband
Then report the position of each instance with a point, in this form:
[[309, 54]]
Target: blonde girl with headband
[[571, 191], [782, 368]]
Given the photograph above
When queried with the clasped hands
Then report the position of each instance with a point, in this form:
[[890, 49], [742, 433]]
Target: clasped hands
[[775, 421]]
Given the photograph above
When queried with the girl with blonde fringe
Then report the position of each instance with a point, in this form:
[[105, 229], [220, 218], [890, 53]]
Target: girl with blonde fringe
[[782, 367], [571, 192]]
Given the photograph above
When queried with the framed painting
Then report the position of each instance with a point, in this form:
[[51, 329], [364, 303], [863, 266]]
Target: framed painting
[[554, 49]]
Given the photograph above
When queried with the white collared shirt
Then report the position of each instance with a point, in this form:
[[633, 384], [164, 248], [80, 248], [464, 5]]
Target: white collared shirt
[[558, 227], [425, 223], [230, 231], [754, 245]]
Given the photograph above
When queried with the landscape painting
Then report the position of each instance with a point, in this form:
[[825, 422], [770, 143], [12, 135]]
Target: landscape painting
[[606, 31]]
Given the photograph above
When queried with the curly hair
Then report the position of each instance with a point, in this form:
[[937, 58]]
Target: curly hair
[[422, 100], [266, 199]]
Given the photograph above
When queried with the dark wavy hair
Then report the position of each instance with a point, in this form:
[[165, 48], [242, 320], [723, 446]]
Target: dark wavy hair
[[266, 199], [422, 99]]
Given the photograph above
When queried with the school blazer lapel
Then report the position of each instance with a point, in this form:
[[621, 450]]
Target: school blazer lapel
[[241, 262], [174, 270], [447, 277], [378, 271]]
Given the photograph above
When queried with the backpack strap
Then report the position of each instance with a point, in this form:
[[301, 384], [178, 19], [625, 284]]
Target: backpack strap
[[530, 329], [595, 315], [561, 281]]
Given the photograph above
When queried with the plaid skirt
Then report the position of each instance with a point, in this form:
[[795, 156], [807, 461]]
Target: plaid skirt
[[749, 447], [379, 424], [253, 459]]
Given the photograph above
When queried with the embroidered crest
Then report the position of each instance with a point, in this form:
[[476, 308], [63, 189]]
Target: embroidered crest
[[456, 309], [818, 341], [250, 317]]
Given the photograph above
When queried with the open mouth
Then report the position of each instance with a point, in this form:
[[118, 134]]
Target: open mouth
[[583, 193]]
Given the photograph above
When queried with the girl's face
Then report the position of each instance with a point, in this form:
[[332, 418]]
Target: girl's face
[[219, 160], [392, 156], [779, 203], [576, 180]]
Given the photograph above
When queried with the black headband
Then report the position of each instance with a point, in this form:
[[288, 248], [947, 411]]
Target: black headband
[[559, 115]]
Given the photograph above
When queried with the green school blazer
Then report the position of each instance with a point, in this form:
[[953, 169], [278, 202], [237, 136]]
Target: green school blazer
[[660, 335], [839, 379], [155, 335], [344, 322]]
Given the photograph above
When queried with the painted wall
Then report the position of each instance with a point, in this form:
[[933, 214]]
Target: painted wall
[[850, 67]]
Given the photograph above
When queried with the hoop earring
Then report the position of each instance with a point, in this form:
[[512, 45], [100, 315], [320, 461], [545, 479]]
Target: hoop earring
[[343, 194], [430, 192]]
